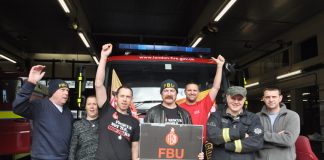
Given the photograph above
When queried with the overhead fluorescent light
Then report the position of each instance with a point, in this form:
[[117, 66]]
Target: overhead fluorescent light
[[95, 59], [224, 10], [305, 100], [305, 94], [64, 6], [197, 41], [84, 40], [7, 58], [289, 74], [288, 95], [252, 84]]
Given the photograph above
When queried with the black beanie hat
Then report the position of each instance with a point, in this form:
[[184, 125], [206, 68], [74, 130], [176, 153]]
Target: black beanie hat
[[169, 83], [56, 84]]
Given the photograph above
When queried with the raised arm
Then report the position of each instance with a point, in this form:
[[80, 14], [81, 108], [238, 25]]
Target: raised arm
[[21, 105], [101, 92], [218, 77]]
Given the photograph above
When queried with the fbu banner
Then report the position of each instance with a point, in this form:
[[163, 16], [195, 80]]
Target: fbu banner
[[170, 141]]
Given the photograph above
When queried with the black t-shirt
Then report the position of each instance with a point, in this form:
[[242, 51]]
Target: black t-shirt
[[172, 116], [116, 134]]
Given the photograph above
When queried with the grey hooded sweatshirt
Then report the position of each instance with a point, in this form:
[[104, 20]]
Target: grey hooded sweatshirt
[[279, 146]]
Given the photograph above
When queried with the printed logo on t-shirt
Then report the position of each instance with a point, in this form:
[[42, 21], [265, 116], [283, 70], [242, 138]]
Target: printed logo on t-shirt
[[172, 116], [174, 121], [121, 129], [196, 112]]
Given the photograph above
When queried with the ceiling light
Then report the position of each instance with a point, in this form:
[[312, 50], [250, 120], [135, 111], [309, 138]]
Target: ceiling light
[[95, 59], [252, 84], [305, 94], [289, 74], [7, 58], [224, 10], [84, 40], [75, 26], [196, 41], [305, 100], [64, 6]]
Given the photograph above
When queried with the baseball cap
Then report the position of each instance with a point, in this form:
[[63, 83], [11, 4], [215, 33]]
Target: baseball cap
[[236, 90]]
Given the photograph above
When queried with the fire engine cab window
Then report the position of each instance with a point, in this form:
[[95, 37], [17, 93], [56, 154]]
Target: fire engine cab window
[[145, 78], [7, 93]]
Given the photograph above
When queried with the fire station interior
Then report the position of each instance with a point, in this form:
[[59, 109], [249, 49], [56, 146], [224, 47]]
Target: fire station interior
[[273, 43]]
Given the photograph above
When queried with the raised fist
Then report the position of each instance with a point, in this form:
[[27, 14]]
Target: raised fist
[[106, 49]]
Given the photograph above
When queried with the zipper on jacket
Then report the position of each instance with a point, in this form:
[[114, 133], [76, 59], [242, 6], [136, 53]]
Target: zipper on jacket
[[163, 116], [269, 122], [183, 121]]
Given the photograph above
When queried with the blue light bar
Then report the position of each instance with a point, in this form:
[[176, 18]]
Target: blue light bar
[[145, 47]]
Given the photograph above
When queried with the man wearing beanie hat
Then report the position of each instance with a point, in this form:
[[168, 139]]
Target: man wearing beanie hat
[[52, 122], [168, 111], [235, 132]]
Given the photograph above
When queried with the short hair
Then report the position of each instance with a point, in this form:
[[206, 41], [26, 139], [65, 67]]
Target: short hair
[[272, 88], [192, 82], [126, 87], [90, 96]]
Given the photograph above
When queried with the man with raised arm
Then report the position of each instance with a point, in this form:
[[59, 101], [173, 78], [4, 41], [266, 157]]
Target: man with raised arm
[[51, 120], [118, 130], [199, 110]]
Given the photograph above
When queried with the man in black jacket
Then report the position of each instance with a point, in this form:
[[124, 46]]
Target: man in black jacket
[[168, 111], [236, 133]]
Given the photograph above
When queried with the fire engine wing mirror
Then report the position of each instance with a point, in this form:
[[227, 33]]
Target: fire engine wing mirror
[[229, 68]]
